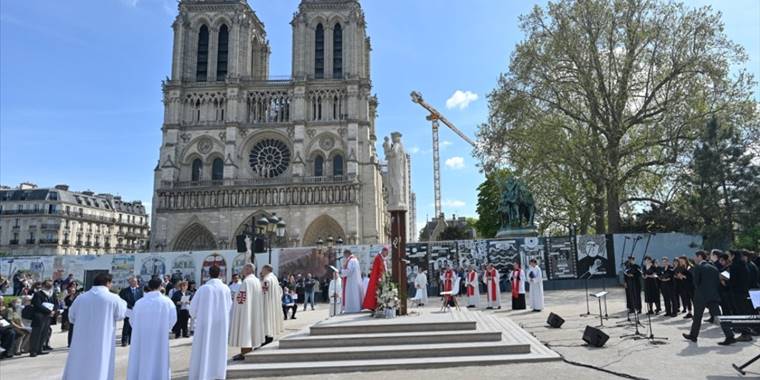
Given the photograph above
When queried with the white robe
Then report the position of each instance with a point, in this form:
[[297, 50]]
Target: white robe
[[471, 283], [536, 296], [492, 288], [420, 283], [365, 284], [335, 292], [152, 320], [92, 347], [247, 323], [352, 283], [272, 305], [210, 309]]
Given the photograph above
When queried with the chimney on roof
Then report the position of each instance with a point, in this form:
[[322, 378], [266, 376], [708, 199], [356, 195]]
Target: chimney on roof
[[63, 187], [88, 192], [26, 186]]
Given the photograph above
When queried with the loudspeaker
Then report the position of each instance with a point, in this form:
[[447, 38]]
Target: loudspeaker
[[595, 337], [258, 246], [555, 320], [240, 243]]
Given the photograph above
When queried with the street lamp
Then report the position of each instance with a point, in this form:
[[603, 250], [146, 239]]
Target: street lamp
[[268, 229], [330, 251]]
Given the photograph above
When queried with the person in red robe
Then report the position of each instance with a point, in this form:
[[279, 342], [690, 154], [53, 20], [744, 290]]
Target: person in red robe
[[378, 269], [448, 280]]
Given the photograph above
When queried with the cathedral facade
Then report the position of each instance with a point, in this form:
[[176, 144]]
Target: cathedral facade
[[237, 145]]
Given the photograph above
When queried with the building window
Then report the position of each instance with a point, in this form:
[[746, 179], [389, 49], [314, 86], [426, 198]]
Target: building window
[[201, 67], [217, 169], [319, 52], [197, 170], [337, 51], [221, 55], [338, 165], [319, 165]]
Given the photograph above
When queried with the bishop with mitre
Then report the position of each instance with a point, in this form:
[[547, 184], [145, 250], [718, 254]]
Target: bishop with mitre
[[378, 270], [247, 325]]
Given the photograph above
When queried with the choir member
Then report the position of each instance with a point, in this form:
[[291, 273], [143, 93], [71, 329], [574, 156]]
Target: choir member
[[651, 290], [684, 285], [632, 276], [667, 287]]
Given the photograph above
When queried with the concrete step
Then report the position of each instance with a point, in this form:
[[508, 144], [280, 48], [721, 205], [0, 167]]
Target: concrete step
[[377, 328], [352, 340], [338, 353], [247, 370]]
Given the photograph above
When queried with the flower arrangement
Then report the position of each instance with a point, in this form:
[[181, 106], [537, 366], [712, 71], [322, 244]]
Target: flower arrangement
[[387, 297]]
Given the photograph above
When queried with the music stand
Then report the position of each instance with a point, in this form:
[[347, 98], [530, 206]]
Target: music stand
[[599, 297], [585, 281]]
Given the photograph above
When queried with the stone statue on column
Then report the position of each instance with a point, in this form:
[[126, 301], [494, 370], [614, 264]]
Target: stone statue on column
[[396, 157]]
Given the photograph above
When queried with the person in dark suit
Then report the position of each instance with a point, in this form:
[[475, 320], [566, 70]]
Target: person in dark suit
[[183, 310], [738, 288], [706, 279], [130, 294], [42, 308]]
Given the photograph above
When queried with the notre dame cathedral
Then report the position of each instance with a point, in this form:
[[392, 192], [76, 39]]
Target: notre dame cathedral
[[238, 145]]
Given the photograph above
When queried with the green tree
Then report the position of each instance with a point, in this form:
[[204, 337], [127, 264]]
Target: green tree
[[615, 91], [722, 184], [454, 232], [489, 194]]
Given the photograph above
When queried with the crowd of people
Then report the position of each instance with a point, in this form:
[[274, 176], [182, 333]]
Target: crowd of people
[[718, 281]]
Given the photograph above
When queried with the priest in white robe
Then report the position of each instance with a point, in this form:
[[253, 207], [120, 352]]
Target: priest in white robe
[[472, 285], [491, 279], [365, 284], [272, 298], [153, 317], [335, 294], [536, 280], [420, 284], [210, 309], [247, 324], [352, 283], [93, 350]]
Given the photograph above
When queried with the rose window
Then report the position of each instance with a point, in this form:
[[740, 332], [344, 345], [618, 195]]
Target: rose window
[[269, 158]]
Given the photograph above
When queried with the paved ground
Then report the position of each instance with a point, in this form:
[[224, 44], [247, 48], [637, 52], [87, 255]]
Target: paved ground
[[676, 359]]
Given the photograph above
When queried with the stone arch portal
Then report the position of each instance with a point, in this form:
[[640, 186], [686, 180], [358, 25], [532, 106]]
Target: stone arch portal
[[195, 237], [322, 227]]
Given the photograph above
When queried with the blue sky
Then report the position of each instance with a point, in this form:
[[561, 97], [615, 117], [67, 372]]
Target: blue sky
[[80, 94]]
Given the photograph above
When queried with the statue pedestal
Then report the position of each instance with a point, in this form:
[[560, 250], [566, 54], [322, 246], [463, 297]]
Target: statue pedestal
[[515, 232]]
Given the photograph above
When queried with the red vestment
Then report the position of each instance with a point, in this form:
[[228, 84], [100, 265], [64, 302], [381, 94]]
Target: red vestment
[[448, 280], [472, 280], [491, 280], [378, 269]]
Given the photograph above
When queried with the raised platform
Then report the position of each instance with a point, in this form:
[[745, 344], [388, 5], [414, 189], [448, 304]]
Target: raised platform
[[428, 339]]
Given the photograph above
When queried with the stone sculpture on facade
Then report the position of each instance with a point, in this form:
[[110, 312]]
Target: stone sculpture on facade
[[396, 157]]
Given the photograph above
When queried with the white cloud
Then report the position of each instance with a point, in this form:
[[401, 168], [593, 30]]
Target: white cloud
[[455, 162], [414, 150], [453, 203], [461, 99], [130, 3], [446, 143]]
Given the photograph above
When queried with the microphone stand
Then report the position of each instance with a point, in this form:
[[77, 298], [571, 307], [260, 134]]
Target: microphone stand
[[653, 339], [588, 309]]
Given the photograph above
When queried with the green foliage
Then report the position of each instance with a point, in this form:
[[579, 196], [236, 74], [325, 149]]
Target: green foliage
[[489, 195], [454, 232], [604, 98]]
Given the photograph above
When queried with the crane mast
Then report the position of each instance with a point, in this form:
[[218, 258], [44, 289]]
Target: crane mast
[[435, 117]]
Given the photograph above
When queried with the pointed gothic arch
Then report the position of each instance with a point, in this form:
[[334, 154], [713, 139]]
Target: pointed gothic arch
[[322, 227], [194, 237]]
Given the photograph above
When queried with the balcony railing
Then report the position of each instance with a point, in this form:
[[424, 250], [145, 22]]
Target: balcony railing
[[250, 182], [46, 226], [30, 241], [13, 242], [66, 242], [48, 241]]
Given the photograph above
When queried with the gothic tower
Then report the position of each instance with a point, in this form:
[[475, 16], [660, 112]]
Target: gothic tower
[[238, 145]]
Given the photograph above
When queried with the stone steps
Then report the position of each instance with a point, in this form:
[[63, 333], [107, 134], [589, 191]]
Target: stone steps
[[339, 353], [377, 328], [247, 370], [360, 344], [353, 340]]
